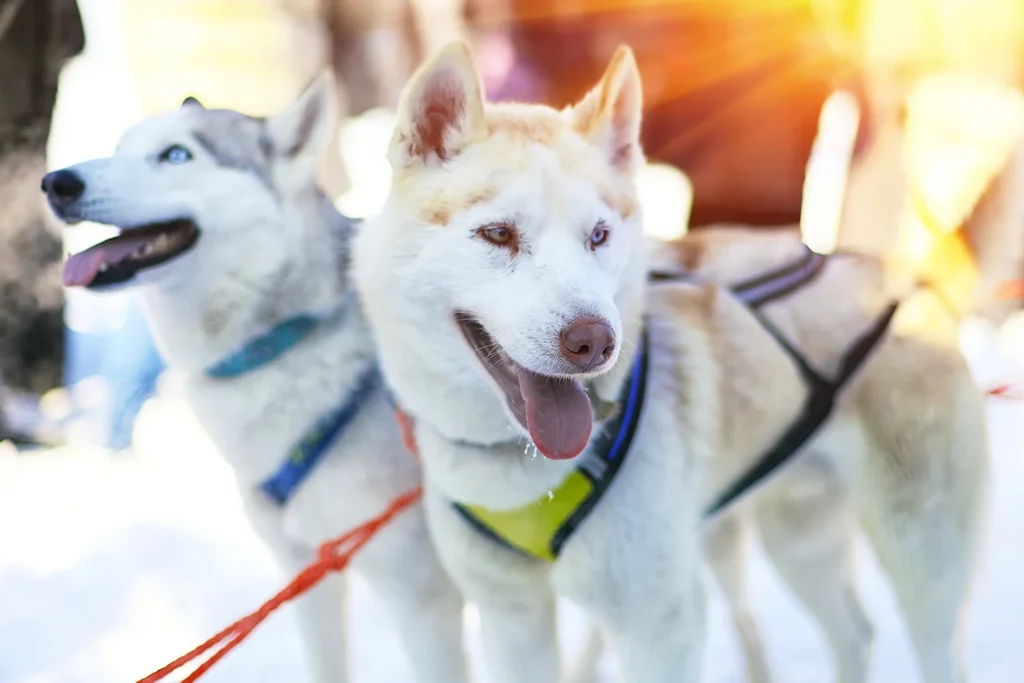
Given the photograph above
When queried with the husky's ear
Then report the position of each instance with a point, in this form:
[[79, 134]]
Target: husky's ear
[[191, 103], [304, 127], [441, 110], [610, 114]]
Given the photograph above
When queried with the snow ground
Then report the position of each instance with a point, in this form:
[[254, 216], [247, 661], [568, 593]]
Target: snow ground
[[111, 566]]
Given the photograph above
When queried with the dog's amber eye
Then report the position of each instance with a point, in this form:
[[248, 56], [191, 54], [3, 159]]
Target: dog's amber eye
[[598, 236], [175, 154], [500, 234]]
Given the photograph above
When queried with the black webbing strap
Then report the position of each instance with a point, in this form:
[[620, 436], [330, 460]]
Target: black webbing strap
[[765, 288], [822, 392], [817, 407]]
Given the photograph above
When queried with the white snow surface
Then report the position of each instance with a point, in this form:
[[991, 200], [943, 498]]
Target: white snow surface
[[112, 566]]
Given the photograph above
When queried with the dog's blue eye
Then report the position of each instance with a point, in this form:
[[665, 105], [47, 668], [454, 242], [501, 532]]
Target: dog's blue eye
[[176, 154], [599, 235]]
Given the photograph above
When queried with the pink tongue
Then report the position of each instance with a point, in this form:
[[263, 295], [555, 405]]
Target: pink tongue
[[81, 269], [558, 414]]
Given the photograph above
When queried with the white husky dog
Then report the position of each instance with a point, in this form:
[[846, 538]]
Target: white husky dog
[[506, 283], [242, 265]]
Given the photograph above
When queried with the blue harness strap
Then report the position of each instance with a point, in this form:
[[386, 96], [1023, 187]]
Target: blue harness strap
[[307, 453], [612, 445], [265, 348]]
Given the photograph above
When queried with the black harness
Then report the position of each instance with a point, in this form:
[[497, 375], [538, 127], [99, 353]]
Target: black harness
[[822, 391]]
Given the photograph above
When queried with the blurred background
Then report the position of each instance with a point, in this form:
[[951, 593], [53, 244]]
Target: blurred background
[[892, 126]]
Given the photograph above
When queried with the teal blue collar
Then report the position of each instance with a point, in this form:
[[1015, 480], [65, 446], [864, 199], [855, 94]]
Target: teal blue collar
[[265, 348]]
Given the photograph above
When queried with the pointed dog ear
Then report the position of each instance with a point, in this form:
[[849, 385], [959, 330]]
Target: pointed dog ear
[[441, 110], [305, 126], [191, 103], [609, 115]]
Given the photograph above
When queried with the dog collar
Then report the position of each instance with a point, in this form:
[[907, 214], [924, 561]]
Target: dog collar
[[541, 528], [265, 348], [272, 344], [307, 453]]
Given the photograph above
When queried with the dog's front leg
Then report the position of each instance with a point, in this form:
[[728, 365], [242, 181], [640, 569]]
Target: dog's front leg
[[663, 642], [321, 611], [511, 592], [425, 604], [647, 595], [321, 614], [520, 640]]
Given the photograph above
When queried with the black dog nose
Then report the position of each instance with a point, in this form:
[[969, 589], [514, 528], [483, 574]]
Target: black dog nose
[[63, 187], [588, 343]]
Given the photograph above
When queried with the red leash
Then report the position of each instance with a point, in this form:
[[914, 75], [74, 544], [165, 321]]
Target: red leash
[[1011, 392], [333, 556], [408, 430]]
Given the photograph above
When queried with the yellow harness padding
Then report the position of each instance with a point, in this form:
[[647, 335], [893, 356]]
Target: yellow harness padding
[[532, 527]]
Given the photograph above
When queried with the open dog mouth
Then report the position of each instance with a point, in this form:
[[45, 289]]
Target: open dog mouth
[[119, 258], [554, 410]]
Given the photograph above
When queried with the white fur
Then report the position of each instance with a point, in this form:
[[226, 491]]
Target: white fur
[[270, 248], [905, 454]]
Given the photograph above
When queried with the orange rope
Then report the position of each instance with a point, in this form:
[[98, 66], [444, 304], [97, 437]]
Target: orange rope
[[1010, 392], [408, 429], [332, 557]]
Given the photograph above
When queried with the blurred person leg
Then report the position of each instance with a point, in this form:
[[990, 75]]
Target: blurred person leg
[[36, 38]]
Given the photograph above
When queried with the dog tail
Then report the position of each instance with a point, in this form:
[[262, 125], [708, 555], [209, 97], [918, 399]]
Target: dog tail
[[584, 669]]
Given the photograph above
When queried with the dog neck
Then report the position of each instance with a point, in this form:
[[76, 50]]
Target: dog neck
[[437, 383], [221, 307], [475, 455]]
